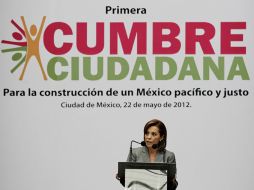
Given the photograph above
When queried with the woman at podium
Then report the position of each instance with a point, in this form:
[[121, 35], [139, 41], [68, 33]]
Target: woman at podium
[[153, 148], [154, 145]]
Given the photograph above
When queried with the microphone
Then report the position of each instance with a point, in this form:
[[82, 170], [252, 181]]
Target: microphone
[[143, 143], [154, 146], [133, 141]]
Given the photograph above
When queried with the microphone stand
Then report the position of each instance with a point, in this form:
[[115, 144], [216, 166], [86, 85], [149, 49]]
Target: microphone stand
[[131, 155]]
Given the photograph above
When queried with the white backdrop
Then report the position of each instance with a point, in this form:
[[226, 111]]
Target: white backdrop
[[46, 147]]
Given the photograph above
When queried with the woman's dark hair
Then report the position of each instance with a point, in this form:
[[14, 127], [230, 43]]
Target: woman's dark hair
[[162, 130]]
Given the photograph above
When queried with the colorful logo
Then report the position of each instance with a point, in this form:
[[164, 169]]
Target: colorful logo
[[27, 45]]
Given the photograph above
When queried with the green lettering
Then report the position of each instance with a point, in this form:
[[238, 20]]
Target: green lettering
[[189, 62], [87, 70], [51, 68], [141, 69], [75, 68], [159, 61], [238, 62], [112, 75], [210, 65]]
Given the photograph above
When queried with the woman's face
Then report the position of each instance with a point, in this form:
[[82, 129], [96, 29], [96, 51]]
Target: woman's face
[[152, 136]]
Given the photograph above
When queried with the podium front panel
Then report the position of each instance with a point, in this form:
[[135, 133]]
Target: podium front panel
[[143, 179], [144, 176]]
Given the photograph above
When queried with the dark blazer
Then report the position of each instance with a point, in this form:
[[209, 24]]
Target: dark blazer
[[141, 155]]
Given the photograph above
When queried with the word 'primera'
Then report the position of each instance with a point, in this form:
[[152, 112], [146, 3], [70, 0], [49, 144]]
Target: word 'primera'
[[126, 11]]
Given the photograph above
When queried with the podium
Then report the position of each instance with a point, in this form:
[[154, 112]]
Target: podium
[[147, 176]]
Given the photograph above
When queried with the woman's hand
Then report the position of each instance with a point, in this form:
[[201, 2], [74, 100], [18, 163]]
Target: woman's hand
[[117, 177]]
